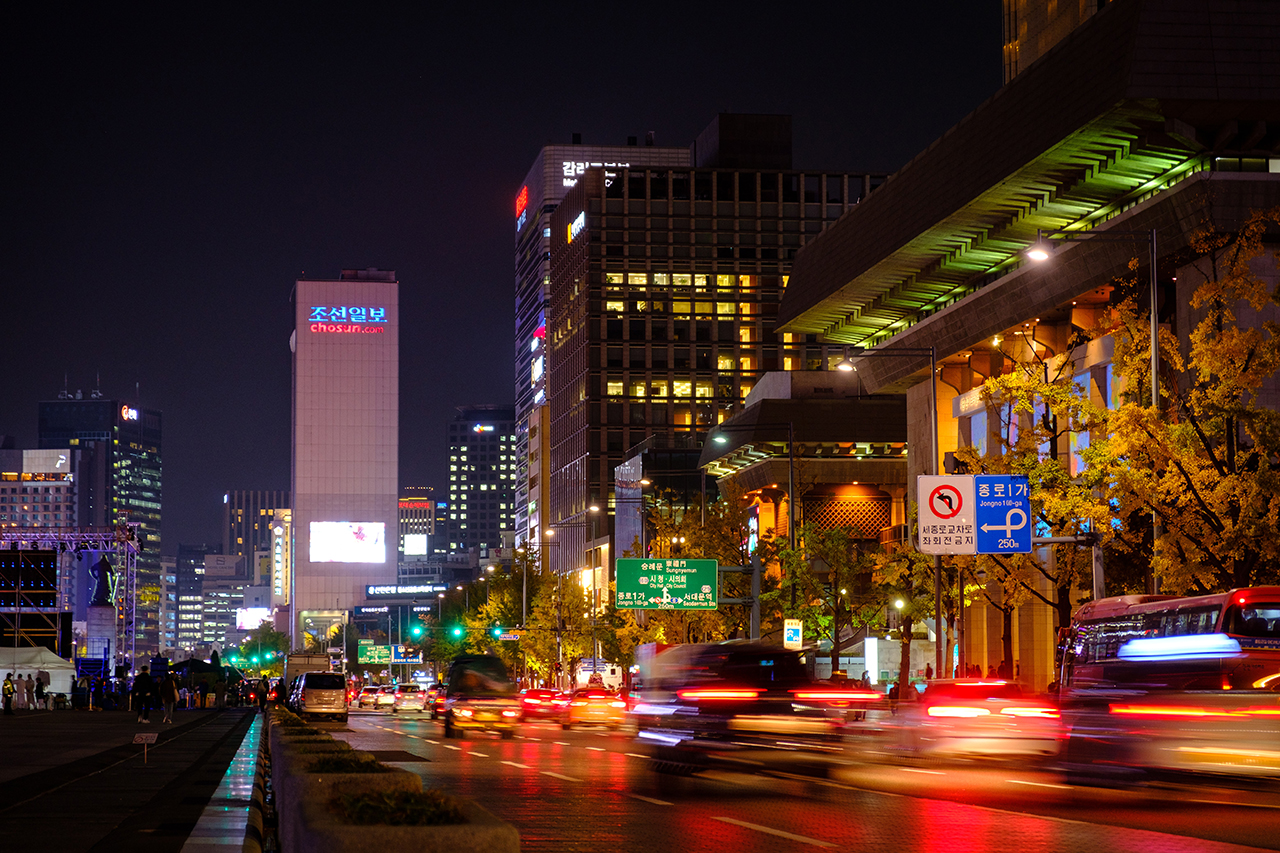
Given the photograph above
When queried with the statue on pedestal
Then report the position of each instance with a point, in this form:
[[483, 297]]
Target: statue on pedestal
[[104, 587]]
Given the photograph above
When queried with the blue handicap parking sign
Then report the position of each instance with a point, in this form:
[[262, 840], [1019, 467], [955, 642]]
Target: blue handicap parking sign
[[1002, 514]]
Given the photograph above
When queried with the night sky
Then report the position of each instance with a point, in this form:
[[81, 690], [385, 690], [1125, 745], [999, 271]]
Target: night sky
[[172, 173]]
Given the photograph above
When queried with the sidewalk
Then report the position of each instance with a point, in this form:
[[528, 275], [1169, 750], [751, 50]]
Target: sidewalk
[[77, 776]]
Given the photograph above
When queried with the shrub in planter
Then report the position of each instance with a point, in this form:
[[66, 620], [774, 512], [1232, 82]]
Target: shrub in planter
[[344, 762], [398, 808]]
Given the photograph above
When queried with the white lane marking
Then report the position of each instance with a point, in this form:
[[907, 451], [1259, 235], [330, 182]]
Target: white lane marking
[[649, 800], [481, 754], [455, 748], [559, 743], [1038, 784], [595, 749], [778, 832], [429, 740], [635, 755], [917, 770], [558, 776], [531, 738], [518, 764], [1241, 805]]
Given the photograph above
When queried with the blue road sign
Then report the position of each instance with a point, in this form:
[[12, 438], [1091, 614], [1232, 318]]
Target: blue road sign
[[1002, 514]]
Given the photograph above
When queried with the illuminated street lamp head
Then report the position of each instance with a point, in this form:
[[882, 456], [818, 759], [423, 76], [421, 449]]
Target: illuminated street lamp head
[[490, 568], [593, 508], [845, 365], [1040, 250], [720, 438], [899, 604], [644, 481], [550, 531]]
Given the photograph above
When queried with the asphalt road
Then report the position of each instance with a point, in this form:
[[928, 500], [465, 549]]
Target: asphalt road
[[588, 790]]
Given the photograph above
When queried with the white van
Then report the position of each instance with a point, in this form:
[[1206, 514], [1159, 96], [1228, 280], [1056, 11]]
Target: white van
[[322, 694]]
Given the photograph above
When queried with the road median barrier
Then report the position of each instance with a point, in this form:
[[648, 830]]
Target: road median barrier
[[333, 798]]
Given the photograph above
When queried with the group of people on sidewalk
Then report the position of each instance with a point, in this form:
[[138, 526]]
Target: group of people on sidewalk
[[30, 693]]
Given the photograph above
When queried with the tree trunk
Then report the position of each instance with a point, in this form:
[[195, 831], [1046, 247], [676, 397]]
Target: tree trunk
[[835, 637], [1007, 639]]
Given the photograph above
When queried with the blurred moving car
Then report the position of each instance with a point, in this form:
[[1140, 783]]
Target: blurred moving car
[[368, 697], [435, 700], [738, 704], [480, 695], [385, 697], [409, 697], [541, 704], [593, 706], [976, 718], [322, 694]]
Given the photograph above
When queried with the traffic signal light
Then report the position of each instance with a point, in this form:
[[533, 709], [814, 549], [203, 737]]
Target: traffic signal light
[[416, 631], [456, 631], [496, 631]]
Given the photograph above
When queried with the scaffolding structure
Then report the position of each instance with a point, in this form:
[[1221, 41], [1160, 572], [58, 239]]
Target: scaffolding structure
[[123, 540]]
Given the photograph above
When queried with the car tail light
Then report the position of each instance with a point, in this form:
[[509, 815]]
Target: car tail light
[[837, 695], [532, 701], [720, 693], [463, 712], [560, 701], [1040, 712], [617, 704], [579, 703], [1179, 711], [957, 711], [510, 713]]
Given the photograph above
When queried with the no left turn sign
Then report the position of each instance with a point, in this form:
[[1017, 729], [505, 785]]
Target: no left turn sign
[[946, 507]]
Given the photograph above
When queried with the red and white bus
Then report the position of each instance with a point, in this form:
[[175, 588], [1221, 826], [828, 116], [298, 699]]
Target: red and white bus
[[1090, 654]]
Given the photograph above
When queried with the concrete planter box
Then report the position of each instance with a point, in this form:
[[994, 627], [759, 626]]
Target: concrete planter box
[[297, 791], [484, 833]]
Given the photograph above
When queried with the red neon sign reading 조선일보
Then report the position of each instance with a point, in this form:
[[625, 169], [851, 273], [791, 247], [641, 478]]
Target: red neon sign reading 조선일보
[[522, 200]]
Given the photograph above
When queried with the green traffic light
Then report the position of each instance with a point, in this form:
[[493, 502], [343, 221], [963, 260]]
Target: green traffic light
[[496, 630], [456, 631], [416, 631]]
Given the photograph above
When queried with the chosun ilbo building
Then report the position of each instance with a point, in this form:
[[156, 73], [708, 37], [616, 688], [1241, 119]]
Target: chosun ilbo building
[[346, 384]]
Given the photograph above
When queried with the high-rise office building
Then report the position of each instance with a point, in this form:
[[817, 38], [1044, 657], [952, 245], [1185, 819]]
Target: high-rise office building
[[664, 287], [122, 479], [1032, 27], [246, 520], [417, 522], [346, 421], [189, 586], [555, 171], [482, 476]]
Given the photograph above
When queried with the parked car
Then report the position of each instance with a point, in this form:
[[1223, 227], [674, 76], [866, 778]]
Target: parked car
[[322, 694], [409, 697], [480, 695]]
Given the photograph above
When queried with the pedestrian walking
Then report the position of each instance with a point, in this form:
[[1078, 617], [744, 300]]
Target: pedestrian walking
[[220, 693], [31, 692], [203, 690], [168, 697], [142, 684], [41, 695], [9, 690]]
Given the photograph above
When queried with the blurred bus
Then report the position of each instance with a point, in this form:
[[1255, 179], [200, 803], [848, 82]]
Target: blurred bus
[[1165, 687]]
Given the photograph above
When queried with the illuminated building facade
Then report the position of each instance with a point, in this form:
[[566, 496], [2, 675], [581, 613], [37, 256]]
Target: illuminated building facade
[[482, 477], [1111, 134], [555, 171], [664, 288], [346, 386], [120, 476], [246, 520], [417, 522]]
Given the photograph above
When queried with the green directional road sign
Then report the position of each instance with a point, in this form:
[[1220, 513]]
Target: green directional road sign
[[375, 654], [672, 584]]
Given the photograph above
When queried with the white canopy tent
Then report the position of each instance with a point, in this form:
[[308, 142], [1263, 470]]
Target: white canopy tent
[[28, 659]]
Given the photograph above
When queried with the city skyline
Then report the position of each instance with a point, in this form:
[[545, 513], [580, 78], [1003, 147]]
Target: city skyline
[[167, 198]]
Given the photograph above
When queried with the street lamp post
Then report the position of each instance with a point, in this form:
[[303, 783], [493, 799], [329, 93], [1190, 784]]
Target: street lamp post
[[846, 364], [1041, 251]]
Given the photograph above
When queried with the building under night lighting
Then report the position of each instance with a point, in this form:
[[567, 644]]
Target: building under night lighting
[[346, 386]]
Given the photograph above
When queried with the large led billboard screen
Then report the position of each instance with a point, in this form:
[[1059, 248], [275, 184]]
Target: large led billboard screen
[[348, 542], [415, 544], [249, 618]]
